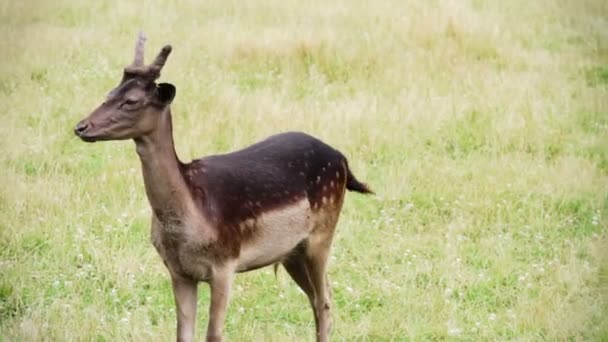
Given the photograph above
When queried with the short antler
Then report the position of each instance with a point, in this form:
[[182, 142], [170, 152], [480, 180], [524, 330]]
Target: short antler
[[138, 68], [160, 60], [139, 50]]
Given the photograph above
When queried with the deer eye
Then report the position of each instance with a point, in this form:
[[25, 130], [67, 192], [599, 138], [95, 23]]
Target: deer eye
[[131, 101]]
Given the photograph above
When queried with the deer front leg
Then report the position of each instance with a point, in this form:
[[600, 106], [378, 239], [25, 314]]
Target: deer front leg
[[220, 293], [185, 292]]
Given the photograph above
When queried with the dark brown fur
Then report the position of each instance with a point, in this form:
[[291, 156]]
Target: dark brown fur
[[275, 172]]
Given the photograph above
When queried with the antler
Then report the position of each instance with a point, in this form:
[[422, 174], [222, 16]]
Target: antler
[[160, 60], [139, 50], [138, 68]]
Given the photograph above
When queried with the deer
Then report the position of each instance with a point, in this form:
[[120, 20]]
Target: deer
[[276, 202]]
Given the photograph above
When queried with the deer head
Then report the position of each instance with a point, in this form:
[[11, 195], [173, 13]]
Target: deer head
[[132, 109]]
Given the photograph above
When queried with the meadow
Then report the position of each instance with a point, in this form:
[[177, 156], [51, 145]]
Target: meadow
[[481, 125]]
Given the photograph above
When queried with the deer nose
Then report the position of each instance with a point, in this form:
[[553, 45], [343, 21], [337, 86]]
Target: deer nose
[[80, 128]]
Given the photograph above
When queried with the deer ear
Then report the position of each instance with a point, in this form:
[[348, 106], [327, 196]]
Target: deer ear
[[165, 92]]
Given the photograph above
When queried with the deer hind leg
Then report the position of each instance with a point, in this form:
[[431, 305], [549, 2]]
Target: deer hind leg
[[317, 253], [316, 267], [296, 268]]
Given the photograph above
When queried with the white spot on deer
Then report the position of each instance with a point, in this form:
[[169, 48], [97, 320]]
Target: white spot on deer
[[250, 223], [324, 200], [331, 184], [318, 179], [337, 175]]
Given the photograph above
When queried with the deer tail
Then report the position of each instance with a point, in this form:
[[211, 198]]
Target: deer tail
[[353, 184]]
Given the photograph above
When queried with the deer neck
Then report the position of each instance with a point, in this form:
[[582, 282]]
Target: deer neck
[[165, 186]]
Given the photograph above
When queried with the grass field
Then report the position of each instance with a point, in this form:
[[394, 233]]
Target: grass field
[[481, 125]]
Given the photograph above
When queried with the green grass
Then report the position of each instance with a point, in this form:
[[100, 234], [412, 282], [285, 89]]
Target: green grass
[[482, 126]]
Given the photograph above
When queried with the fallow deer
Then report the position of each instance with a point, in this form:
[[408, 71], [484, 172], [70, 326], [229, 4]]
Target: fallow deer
[[274, 202]]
